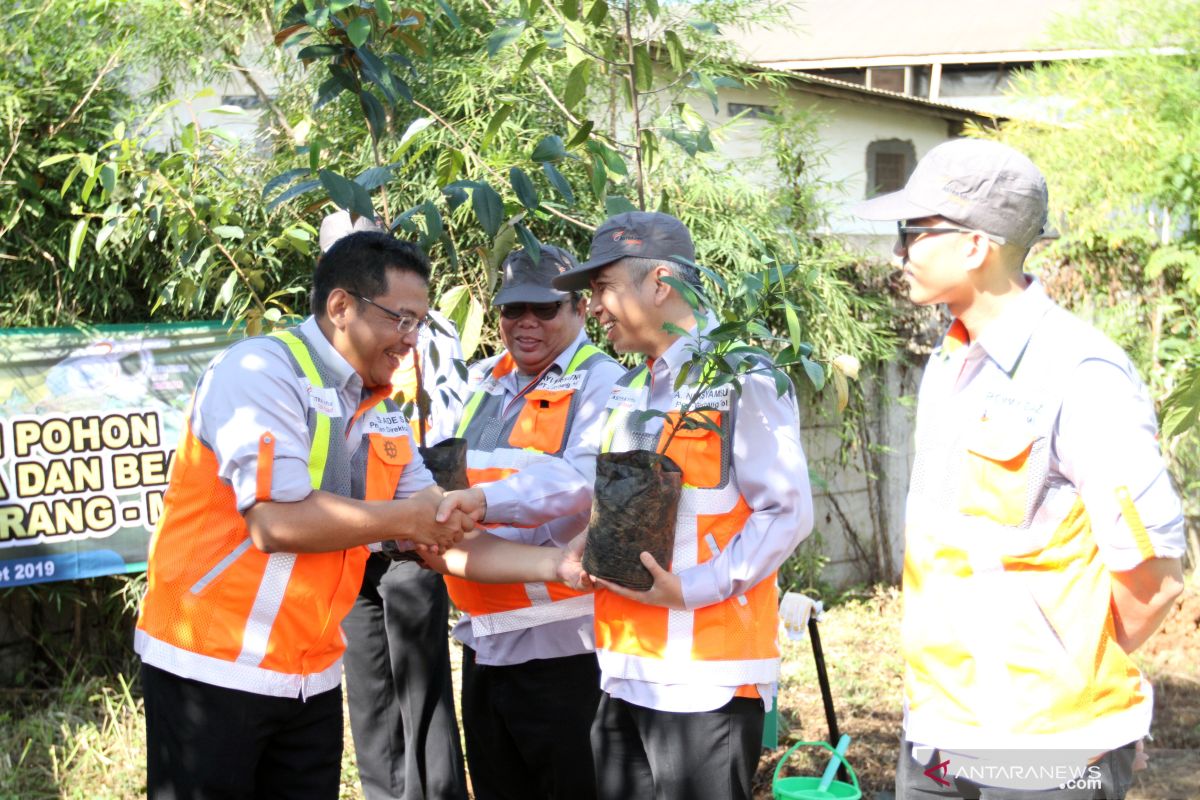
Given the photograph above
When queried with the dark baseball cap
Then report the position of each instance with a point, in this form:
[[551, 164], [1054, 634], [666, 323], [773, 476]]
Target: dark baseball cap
[[524, 281], [641, 234], [976, 183]]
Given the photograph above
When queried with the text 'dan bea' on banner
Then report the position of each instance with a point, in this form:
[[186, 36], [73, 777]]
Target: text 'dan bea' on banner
[[89, 422]]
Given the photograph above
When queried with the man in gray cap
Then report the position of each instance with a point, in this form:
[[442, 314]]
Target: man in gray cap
[[1043, 536], [530, 682], [689, 666], [398, 681]]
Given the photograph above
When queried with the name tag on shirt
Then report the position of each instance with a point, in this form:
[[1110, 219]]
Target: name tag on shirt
[[719, 399], [626, 398], [323, 401], [392, 423], [563, 383]]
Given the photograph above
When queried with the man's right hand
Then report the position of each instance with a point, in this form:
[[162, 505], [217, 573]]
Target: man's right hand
[[422, 527]]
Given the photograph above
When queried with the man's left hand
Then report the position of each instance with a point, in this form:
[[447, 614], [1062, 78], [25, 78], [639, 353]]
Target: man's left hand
[[667, 590]]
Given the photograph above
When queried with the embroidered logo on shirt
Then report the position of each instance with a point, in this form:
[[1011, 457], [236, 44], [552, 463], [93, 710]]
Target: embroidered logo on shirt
[[323, 401], [626, 398], [563, 383]]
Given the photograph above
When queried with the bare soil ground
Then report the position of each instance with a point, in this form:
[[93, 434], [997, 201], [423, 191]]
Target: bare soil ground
[[860, 639]]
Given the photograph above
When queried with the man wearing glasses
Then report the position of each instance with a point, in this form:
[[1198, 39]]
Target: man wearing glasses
[[1043, 536], [530, 682], [294, 455]]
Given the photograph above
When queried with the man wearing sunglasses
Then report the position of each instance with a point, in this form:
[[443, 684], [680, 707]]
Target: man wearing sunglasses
[[530, 682], [1043, 536]]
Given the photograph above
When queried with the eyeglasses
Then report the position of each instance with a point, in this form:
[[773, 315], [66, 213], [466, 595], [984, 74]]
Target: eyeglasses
[[904, 231], [405, 322], [543, 311]]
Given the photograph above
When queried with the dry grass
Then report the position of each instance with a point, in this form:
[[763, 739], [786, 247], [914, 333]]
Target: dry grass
[[87, 740]]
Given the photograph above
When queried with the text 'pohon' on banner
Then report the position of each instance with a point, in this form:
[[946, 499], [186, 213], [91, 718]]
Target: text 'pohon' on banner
[[89, 422]]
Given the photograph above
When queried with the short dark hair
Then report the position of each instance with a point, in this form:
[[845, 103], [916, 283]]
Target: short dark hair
[[640, 267], [359, 263]]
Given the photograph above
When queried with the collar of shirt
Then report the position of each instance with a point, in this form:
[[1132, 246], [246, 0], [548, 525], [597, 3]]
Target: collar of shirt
[[1005, 339], [345, 379], [561, 362], [680, 351]]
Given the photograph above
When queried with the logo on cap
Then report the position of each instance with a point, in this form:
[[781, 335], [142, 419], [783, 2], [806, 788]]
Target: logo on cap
[[623, 236]]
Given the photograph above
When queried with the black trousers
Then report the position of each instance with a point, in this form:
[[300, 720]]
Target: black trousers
[[526, 727], [398, 685], [206, 742], [710, 755], [1107, 779]]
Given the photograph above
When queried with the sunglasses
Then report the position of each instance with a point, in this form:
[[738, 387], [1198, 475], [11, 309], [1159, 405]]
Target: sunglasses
[[904, 231], [543, 311]]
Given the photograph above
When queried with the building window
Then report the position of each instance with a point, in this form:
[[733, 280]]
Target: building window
[[889, 79], [889, 163]]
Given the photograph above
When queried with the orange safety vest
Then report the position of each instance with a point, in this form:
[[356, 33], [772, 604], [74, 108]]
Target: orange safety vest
[[731, 643], [1008, 633], [498, 448], [219, 610]]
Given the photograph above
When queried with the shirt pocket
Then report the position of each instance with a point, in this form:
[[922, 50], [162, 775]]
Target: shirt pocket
[[995, 483], [385, 464], [697, 451], [543, 420]]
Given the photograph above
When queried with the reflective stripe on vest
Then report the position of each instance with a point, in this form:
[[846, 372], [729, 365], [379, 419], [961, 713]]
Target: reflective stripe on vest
[[730, 643], [221, 611], [1008, 634], [492, 456]]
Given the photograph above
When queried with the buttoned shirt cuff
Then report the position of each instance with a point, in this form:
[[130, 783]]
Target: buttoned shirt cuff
[[699, 587], [503, 505]]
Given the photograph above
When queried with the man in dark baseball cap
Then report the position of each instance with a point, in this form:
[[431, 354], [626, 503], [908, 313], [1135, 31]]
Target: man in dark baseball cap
[[637, 234], [1042, 529], [689, 665]]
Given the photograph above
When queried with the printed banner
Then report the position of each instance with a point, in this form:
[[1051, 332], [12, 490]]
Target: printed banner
[[89, 422]]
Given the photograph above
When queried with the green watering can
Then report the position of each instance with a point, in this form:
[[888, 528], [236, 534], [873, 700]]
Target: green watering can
[[823, 788]]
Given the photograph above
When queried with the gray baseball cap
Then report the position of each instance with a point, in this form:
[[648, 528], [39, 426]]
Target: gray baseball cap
[[339, 224], [524, 281], [642, 234], [976, 183]]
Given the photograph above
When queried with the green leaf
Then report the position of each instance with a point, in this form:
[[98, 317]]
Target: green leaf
[[815, 373], [643, 68], [433, 225], [570, 9], [488, 207], [108, 177], [528, 240], [383, 10], [340, 5], [616, 204], [581, 134], [612, 159], [523, 187], [454, 302], [314, 51], [550, 148], [455, 22], [531, 55], [652, 8], [676, 52], [782, 384], [57, 159], [375, 114], [374, 177], [76, 242], [554, 37], [673, 329], [598, 12], [705, 27], [226, 292], [359, 30], [472, 328], [599, 176], [294, 191], [347, 194], [793, 323], [577, 83], [88, 161], [507, 32], [686, 291], [494, 125], [559, 182], [1182, 406], [229, 232], [283, 179]]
